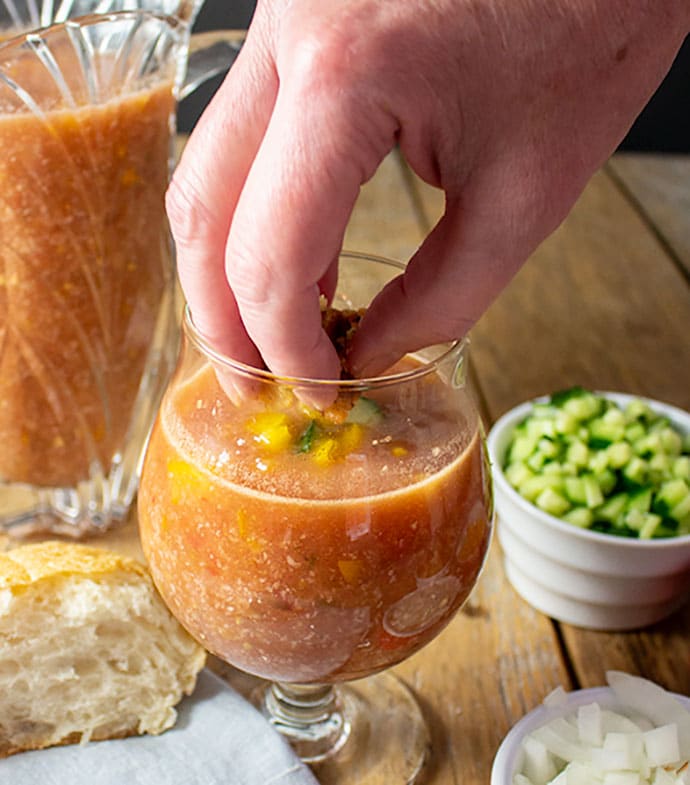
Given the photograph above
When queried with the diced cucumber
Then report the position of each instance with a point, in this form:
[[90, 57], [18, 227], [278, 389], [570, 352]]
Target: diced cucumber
[[593, 495], [603, 433], [642, 521], [614, 417], [365, 412], [612, 509], [650, 526], [583, 407], [536, 461], [640, 500], [638, 410], [548, 447], [672, 493], [635, 471], [579, 516], [681, 468], [607, 481], [684, 526], [521, 448], [574, 490], [658, 424], [553, 502], [577, 453], [634, 432], [681, 510], [671, 442], [648, 445], [306, 440], [535, 485], [559, 398], [542, 411], [660, 465], [619, 454], [583, 458], [564, 423], [538, 428], [517, 473], [598, 461]]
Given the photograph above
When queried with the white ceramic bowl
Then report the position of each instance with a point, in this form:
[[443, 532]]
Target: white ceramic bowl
[[508, 760], [585, 578]]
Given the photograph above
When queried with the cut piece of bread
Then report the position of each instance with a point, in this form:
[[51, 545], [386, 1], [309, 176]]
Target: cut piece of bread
[[88, 650]]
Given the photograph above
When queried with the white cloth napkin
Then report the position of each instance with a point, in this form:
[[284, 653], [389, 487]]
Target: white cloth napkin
[[219, 739]]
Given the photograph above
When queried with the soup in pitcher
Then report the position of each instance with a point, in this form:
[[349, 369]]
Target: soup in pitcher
[[84, 265]]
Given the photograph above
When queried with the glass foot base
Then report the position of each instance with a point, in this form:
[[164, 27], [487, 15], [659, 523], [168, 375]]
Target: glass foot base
[[368, 732], [389, 740], [91, 507]]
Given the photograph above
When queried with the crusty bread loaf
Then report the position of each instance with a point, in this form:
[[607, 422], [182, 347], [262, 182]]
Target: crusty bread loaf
[[88, 650]]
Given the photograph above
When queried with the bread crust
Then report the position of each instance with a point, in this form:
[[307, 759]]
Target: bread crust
[[38, 573], [7, 748], [340, 326], [36, 562]]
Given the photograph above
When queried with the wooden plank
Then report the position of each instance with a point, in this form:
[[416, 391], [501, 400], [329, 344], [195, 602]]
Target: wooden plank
[[660, 187], [660, 653], [384, 220]]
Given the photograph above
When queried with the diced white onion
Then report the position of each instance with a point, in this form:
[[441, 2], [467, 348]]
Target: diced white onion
[[652, 701], [623, 752], [589, 724], [557, 697], [646, 742], [622, 778], [661, 745], [663, 777]]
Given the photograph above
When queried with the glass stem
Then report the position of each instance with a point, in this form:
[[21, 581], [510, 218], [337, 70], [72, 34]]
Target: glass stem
[[309, 716]]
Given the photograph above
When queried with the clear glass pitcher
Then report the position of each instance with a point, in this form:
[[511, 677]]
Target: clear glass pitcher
[[22, 15], [88, 324]]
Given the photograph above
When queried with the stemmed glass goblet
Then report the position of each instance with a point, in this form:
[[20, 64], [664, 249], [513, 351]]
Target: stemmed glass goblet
[[314, 533]]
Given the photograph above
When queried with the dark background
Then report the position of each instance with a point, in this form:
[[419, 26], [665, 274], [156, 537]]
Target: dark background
[[663, 126]]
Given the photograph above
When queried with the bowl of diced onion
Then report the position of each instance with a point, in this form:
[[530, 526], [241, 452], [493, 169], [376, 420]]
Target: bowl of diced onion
[[632, 732], [592, 493]]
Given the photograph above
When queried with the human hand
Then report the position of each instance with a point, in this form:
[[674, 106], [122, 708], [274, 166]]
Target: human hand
[[508, 106]]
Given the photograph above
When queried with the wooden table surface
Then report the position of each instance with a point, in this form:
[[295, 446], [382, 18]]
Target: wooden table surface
[[604, 303]]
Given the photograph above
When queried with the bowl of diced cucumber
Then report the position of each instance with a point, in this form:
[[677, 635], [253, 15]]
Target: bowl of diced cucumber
[[592, 494]]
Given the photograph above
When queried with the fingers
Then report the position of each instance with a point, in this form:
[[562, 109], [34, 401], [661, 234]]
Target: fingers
[[205, 189], [319, 147], [447, 285]]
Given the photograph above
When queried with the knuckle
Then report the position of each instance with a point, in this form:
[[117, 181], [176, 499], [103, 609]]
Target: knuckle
[[318, 55]]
